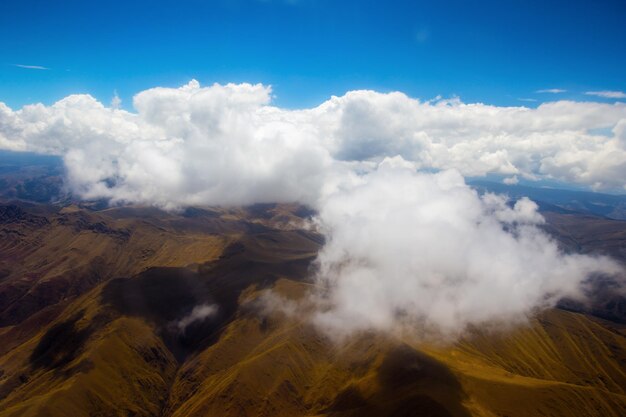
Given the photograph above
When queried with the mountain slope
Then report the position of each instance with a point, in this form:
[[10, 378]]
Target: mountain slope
[[133, 342]]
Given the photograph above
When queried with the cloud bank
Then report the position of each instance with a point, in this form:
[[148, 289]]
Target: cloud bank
[[402, 246], [226, 144], [218, 145]]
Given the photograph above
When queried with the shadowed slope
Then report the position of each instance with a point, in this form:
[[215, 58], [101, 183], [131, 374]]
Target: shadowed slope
[[165, 295]]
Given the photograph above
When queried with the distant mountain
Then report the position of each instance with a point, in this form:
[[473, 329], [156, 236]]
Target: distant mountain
[[38, 178], [555, 199], [31, 177]]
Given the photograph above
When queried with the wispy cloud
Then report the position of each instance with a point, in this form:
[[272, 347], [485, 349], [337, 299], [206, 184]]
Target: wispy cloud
[[116, 101], [552, 91], [607, 94], [199, 313], [531, 100], [35, 67]]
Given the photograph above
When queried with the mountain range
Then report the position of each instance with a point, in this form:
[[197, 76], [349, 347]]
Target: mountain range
[[135, 311]]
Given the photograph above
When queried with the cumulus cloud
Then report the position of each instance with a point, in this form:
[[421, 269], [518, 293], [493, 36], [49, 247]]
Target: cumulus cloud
[[551, 141], [426, 251], [607, 94], [191, 145], [402, 246], [226, 144]]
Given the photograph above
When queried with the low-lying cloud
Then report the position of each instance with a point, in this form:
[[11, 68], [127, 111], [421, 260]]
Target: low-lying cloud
[[402, 246], [426, 251], [198, 314]]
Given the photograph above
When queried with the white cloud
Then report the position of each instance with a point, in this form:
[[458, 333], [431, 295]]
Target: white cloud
[[226, 144], [401, 245], [550, 141], [607, 94], [426, 251], [511, 180], [35, 67], [552, 91], [199, 313], [191, 145]]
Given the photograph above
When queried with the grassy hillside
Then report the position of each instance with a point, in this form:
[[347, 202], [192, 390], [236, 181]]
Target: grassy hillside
[[114, 345]]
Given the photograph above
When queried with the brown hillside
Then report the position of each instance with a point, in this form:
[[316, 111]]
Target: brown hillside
[[111, 345]]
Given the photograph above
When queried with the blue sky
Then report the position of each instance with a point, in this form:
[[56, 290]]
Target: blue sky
[[495, 52]]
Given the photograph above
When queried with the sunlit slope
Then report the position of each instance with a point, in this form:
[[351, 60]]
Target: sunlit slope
[[274, 365], [562, 363], [49, 255], [269, 364], [113, 351], [90, 362]]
